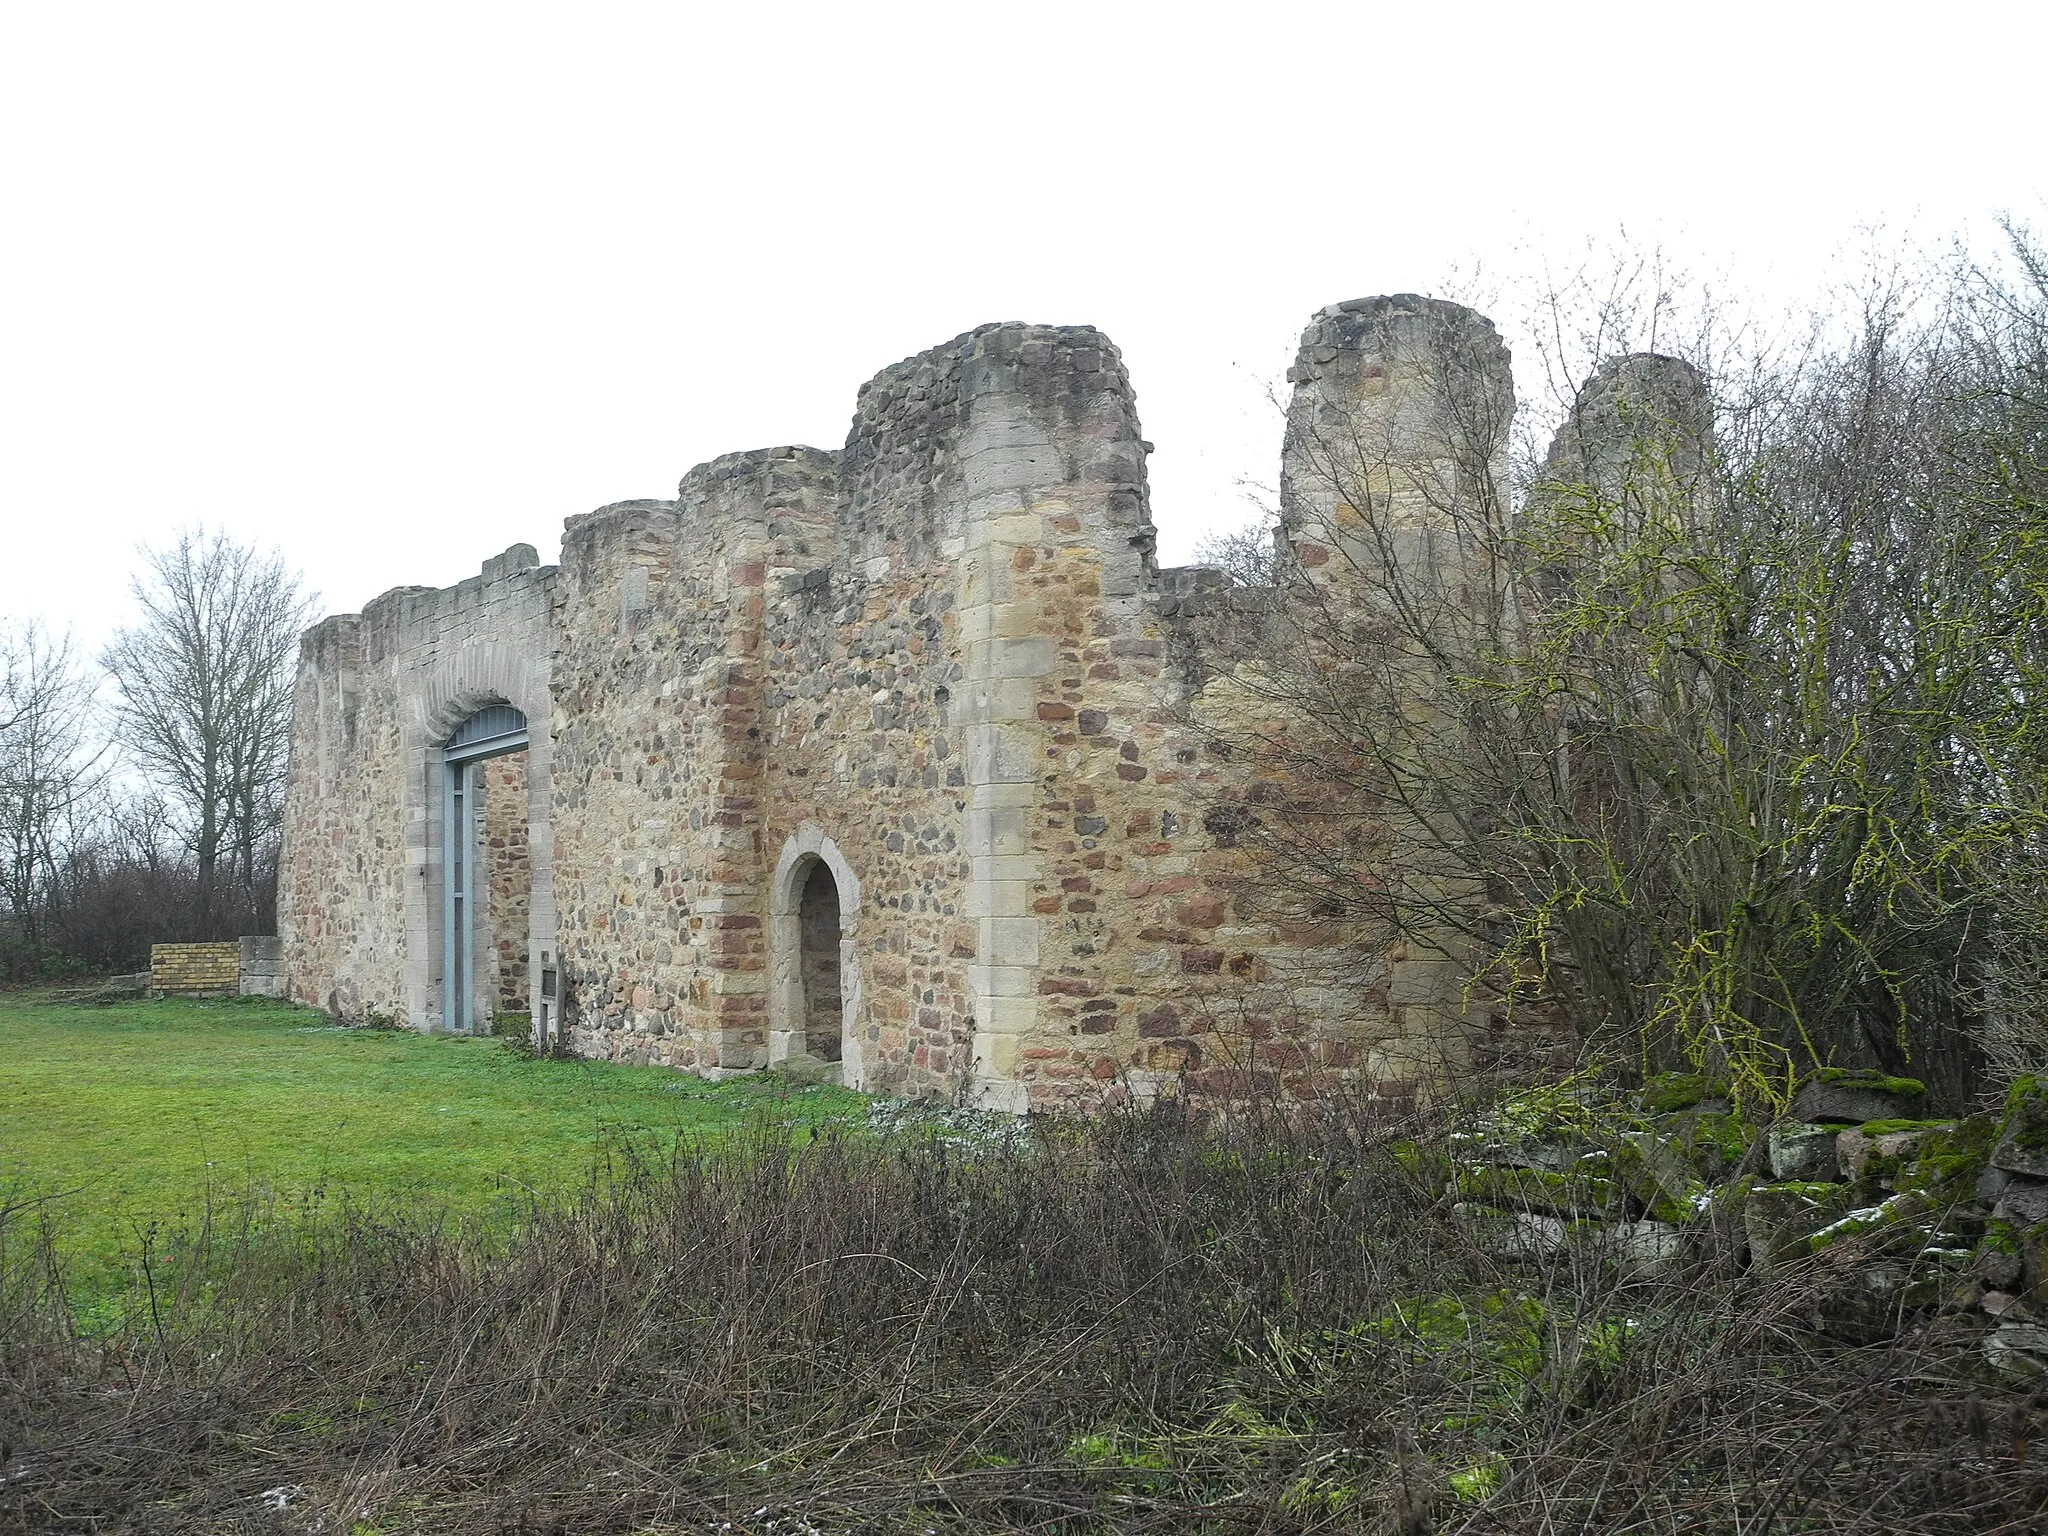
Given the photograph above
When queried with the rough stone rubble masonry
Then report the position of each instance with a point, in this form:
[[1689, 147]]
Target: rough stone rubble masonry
[[941, 662]]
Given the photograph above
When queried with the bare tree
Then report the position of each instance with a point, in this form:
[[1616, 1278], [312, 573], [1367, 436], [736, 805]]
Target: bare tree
[[205, 690], [46, 771]]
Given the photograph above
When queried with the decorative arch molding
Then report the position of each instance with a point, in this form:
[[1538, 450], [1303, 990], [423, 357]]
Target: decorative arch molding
[[788, 1045], [474, 678]]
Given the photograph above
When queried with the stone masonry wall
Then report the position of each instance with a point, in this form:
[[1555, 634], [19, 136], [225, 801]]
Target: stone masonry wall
[[505, 855], [937, 659], [261, 966], [939, 663], [378, 695]]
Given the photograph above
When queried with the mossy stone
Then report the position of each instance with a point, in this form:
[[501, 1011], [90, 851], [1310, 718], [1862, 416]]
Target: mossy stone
[[1779, 1218], [1891, 1221], [2023, 1131], [1997, 1262], [1904, 1087], [1531, 1189], [1669, 1092], [1800, 1150], [1949, 1159], [1836, 1093]]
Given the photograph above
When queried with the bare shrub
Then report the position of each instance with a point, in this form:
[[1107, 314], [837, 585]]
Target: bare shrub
[[1271, 1323], [1721, 739]]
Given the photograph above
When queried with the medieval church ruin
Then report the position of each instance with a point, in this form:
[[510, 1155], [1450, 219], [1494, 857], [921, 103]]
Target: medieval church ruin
[[880, 764]]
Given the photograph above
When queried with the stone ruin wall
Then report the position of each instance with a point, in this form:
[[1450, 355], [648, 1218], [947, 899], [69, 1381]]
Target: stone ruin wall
[[943, 653], [507, 858], [377, 692], [941, 659]]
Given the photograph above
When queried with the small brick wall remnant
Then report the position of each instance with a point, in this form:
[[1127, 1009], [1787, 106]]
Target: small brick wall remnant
[[196, 969], [251, 966]]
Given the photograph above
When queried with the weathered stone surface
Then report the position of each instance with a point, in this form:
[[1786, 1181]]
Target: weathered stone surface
[[1538, 1235], [260, 966], [1804, 1152], [1847, 1097], [1670, 1184], [1512, 1234], [1779, 1219], [1996, 1268], [2018, 1350], [939, 662], [378, 696], [2023, 1202], [2023, 1136], [1877, 1154]]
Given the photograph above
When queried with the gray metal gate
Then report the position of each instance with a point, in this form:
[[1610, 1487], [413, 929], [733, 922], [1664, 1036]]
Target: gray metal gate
[[490, 732]]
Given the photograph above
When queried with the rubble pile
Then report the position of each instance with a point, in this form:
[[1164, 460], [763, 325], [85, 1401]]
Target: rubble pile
[[1922, 1213]]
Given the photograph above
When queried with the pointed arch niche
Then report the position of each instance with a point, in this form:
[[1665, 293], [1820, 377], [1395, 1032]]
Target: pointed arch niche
[[814, 985]]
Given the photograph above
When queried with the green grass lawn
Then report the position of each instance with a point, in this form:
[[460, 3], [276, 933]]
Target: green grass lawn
[[130, 1115]]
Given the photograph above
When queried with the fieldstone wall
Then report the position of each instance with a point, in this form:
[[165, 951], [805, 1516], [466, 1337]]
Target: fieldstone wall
[[939, 664], [379, 694], [505, 854]]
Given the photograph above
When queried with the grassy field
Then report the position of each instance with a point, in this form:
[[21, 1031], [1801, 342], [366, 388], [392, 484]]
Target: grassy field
[[120, 1118]]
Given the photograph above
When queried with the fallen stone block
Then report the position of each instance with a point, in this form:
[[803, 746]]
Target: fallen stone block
[[2023, 1134], [1999, 1268], [1999, 1303], [1648, 1244], [1552, 1153], [1852, 1097], [1881, 1153], [1575, 1194], [2023, 1202], [1669, 1092], [1779, 1219], [1804, 1152], [2018, 1351], [1661, 1177], [1536, 1235], [1899, 1224], [1512, 1234]]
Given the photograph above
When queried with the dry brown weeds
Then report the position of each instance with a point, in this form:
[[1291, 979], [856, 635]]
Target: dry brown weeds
[[1137, 1325]]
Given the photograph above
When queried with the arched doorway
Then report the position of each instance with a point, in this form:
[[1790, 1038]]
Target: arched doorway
[[824, 995], [815, 1006], [486, 873]]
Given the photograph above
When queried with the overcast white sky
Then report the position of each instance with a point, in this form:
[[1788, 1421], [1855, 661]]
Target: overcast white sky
[[394, 286]]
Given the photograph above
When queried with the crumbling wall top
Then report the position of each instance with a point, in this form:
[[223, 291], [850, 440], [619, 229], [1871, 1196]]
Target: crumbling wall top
[[1401, 409], [1636, 407]]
